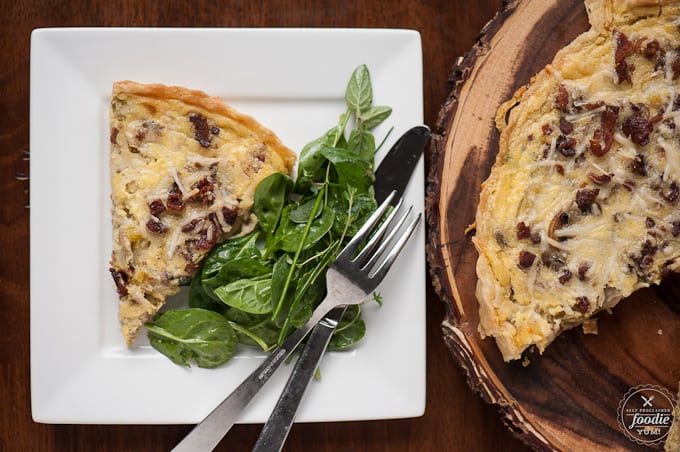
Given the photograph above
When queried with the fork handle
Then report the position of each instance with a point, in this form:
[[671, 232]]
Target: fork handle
[[275, 431], [206, 435]]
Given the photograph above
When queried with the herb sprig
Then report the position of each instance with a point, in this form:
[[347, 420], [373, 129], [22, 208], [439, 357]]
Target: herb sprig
[[257, 288]]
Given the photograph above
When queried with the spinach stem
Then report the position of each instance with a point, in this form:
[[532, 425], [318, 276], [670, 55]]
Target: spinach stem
[[298, 251], [324, 262]]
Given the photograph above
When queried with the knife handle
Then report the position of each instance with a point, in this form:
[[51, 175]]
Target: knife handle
[[277, 427]]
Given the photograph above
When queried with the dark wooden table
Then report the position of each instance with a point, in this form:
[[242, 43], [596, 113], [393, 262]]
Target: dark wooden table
[[455, 419]]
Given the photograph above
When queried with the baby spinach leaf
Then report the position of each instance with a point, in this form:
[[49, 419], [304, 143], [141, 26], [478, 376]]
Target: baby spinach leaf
[[252, 295], [199, 298], [300, 315], [248, 337], [311, 162], [271, 195], [350, 330], [237, 268], [240, 248], [352, 172], [349, 336], [281, 284], [302, 212], [362, 144], [193, 335], [373, 117], [359, 93], [288, 236], [244, 318]]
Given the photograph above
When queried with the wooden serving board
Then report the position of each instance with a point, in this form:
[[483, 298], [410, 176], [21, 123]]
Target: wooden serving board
[[566, 399]]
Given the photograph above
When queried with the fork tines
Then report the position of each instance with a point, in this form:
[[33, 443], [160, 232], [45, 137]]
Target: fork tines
[[385, 241]]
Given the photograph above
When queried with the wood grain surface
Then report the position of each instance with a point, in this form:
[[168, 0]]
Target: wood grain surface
[[566, 399], [456, 419]]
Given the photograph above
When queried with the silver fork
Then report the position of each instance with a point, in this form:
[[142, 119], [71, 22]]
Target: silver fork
[[348, 280]]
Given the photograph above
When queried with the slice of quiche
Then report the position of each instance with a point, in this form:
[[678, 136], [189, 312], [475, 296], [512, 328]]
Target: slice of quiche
[[184, 167], [582, 205]]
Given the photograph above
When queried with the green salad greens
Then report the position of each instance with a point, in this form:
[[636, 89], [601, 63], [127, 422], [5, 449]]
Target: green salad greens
[[257, 288]]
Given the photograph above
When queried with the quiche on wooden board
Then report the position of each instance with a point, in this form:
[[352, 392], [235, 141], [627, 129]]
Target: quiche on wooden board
[[184, 167], [581, 207]]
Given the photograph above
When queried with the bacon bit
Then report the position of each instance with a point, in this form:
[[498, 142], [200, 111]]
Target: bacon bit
[[582, 304], [545, 259], [565, 277], [230, 215], [600, 178], [671, 194], [637, 165], [603, 136], [623, 49], [649, 222], [114, 135], [208, 237], [594, 105], [547, 130], [628, 185], [566, 146], [156, 207], [536, 238], [637, 127], [121, 279], [582, 270], [175, 201], [560, 169], [647, 261], [205, 193], [652, 50], [190, 226], [566, 127], [676, 228], [523, 231], [201, 129], [155, 225], [562, 98], [586, 197], [526, 259]]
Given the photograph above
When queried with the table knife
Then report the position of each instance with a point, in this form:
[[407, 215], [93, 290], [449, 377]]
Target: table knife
[[393, 173]]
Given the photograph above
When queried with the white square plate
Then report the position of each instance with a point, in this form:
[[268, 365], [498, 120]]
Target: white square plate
[[291, 80]]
